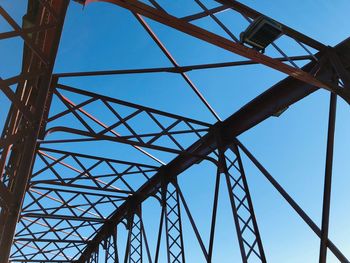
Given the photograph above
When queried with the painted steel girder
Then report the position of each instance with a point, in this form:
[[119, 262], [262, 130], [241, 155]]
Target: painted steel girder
[[165, 18], [257, 115], [32, 86], [242, 207], [278, 97], [173, 224], [159, 130]]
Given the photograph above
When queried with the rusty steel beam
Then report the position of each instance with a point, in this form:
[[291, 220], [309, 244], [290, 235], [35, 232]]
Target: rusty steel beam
[[178, 69], [302, 82], [224, 43], [38, 57], [278, 97]]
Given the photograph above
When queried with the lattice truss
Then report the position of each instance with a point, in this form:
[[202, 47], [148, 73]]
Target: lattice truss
[[175, 246], [174, 203], [131, 124], [60, 204], [77, 191], [242, 207], [69, 197]]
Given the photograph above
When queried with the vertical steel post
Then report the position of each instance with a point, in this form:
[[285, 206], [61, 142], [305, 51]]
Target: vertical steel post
[[174, 238], [111, 248], [328, 178], [133, 252], [250, 203], [248, 233]]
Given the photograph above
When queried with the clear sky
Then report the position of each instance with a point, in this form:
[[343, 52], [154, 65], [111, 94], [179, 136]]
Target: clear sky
[[292, 147]]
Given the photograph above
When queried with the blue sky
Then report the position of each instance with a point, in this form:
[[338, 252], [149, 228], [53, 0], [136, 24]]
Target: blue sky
[[292, 147]]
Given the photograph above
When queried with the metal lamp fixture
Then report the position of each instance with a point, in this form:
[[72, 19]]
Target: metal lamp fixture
[[261, 33]]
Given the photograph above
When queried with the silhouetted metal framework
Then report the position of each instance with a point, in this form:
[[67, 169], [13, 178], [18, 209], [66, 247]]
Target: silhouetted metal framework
[[74, 213]]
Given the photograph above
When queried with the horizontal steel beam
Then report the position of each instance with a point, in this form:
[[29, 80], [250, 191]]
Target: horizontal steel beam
[[222, 42], [49, 150], [179, 69], [49, 240], [63, 217]]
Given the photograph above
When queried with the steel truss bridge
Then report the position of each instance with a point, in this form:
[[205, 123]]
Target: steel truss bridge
[[63, 206]]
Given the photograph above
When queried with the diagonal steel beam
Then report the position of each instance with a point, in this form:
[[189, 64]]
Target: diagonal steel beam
[[214, 39], [292, 203]]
